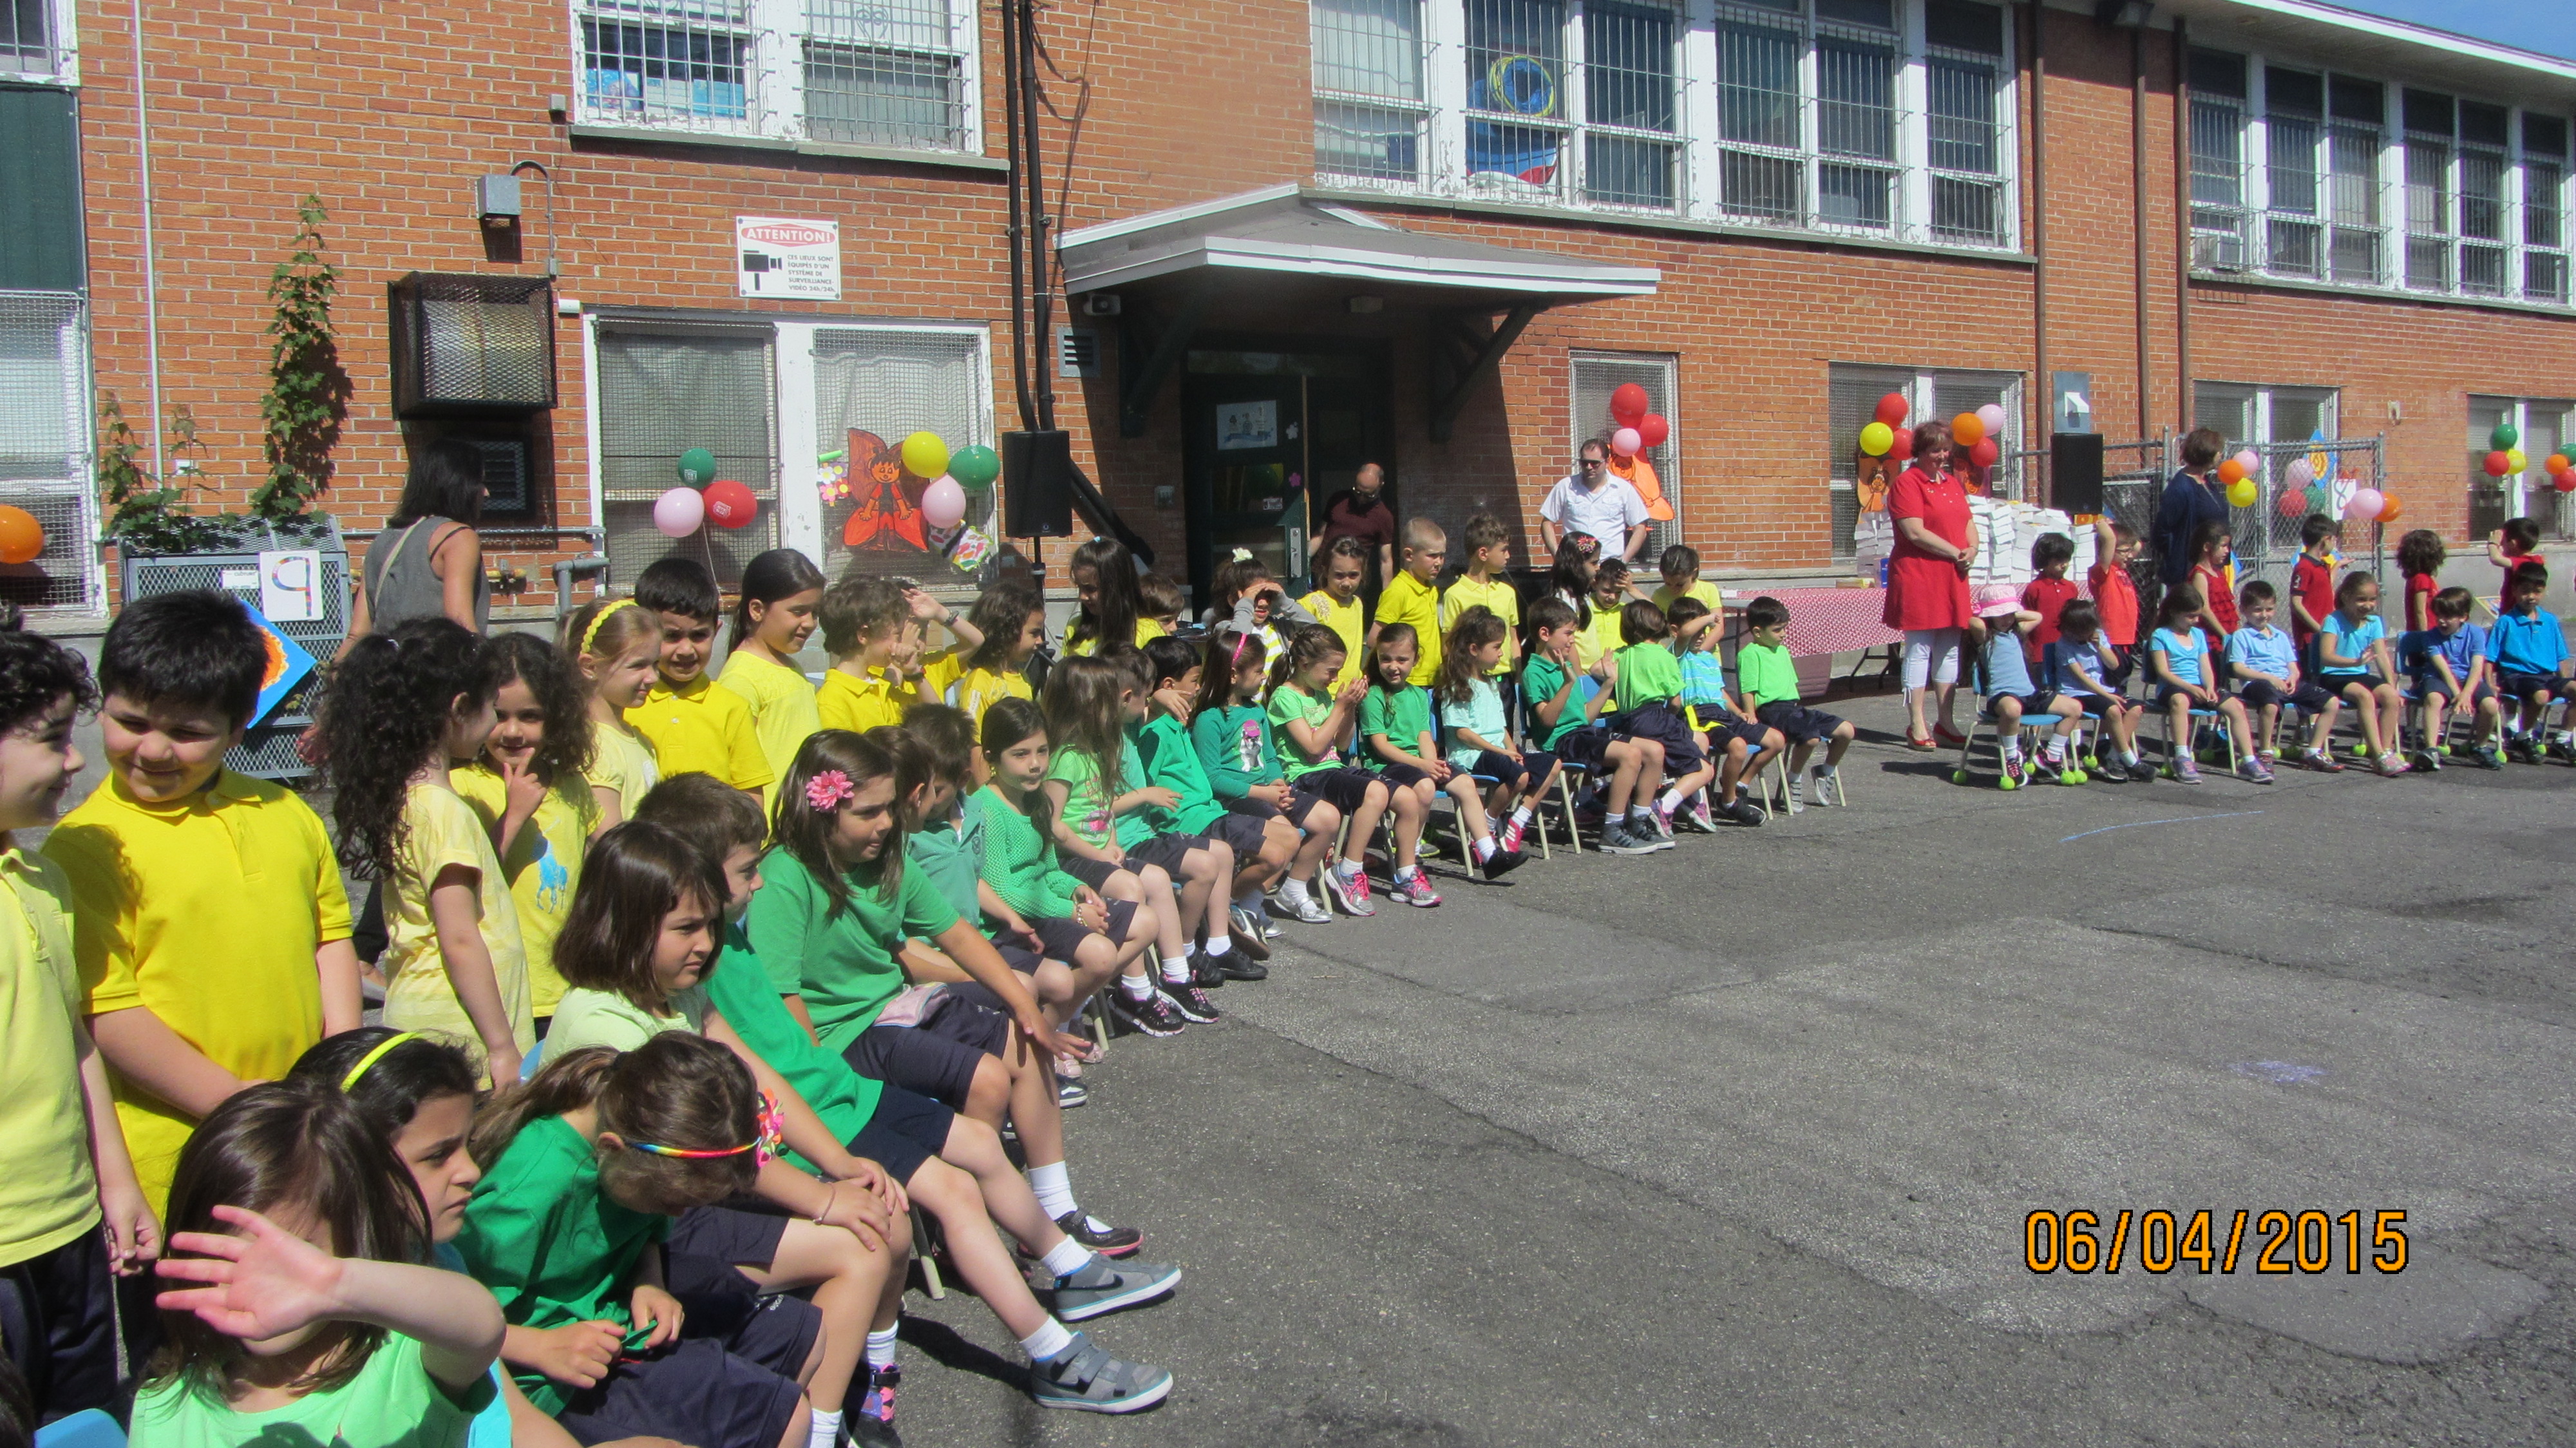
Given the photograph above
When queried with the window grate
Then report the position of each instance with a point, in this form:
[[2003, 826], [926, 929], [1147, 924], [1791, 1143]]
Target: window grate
[[27, 41], [1628, 83], [888, 384], [45, 461], [679, 63], [885, 73], [662, 391], [1596, 376]]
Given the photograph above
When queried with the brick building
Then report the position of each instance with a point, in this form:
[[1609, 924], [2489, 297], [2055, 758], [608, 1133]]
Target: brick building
[[1293, 236]]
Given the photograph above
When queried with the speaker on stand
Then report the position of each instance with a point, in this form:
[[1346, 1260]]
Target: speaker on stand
[[2075, 473], [1037, 484]]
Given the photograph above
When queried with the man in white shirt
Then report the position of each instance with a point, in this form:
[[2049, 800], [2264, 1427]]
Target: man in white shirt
[[1596, 501]]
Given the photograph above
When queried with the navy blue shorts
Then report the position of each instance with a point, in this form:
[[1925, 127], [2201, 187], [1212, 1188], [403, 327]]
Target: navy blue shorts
[[1583, 746], [1241, 833], [1533, 770], [2528, 687], [1797, 723], [730, 1379], [1163, 850], [1398, 774], [1344, 789], [2436, 689], [2167, 693], [937, 1058], [1665, 726], [2096, 705], [2037, 702], [907, 1130], [2310, 695], [707, 1243], [58, 1321]]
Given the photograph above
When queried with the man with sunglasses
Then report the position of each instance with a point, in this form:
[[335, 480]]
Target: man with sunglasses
[[1598, 503]]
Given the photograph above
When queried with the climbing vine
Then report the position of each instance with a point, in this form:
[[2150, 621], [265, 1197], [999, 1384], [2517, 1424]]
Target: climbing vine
[[308, 391]]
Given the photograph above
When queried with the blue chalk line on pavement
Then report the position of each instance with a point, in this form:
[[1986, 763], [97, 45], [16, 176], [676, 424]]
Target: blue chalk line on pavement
[[2176, 820]]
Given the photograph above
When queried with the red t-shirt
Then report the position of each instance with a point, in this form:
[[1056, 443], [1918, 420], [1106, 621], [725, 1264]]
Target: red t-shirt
[[2222, 604], [2424, 586], [2046, 597], [2513, 561], [2117, 597], [2311, 583]]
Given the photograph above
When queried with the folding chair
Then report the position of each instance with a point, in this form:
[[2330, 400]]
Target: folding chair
[[2164, 733], [1566, 772]]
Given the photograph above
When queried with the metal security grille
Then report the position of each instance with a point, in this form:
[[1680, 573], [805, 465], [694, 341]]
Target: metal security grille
[[1966, 149], [1757, 107], [1630, 106], [1596, 376], [1855, 127], [27, 38], [1369, 115], [1851, 403], [45, 464], [2220, 223], [268, 749], [473, 342], [886, 73], [664, 389], [1516, 101], [890, 384], [682, 63]]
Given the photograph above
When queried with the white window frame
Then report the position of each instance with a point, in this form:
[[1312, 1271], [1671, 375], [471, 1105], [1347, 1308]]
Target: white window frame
[[63, 17], [2393, 225], [77, 482], [2532, 483], [2259, 396], [1665, 457], [1699, 194], [776, 37]]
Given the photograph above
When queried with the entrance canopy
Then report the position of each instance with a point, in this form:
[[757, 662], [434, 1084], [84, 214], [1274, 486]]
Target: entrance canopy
[[1279, 247]]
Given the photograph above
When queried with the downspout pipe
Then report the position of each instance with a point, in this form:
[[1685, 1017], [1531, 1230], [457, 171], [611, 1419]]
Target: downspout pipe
[[2138, 170], [2182, 222], [151, 266], [1014, 234], [2044, 383]]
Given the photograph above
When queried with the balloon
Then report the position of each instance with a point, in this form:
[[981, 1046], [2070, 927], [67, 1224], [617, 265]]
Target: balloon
[[974, 466], [697, 467], [2504, 436], [1967, 429], [2564, 481], [2299, 473], [2365, 504], [2293, 503], [1992, 415], [730, 504], [2250, 460], [924, 455], [21, 536], [1625, 442], [2498, 464], [2388, 509], [679, 512], [1902, 447], [2556, 463], [2231, 472], [1986, 453], [2516, 460], [943, 503], [1876, 439], [2242, 492], [1628, 402], [1652, 429], [1892, 408]]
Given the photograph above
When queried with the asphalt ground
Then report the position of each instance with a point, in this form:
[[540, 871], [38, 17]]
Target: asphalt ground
[[1735, 1143]]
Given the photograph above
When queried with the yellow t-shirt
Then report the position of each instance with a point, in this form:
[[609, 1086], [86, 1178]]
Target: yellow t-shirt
[[1601, 638], [1147, 630], [542, 866], [441, 829], [940, 673], [622, 760], [1704, 591], [699, 727], [980, 689], [48, 1193], [242, 866], [783, 712], [1501, 599], [1349, 623], [850, 702], [1408, 599]]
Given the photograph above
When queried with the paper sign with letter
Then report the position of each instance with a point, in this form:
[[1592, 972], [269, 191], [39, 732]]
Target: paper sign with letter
[[290, 585], [288, 665]]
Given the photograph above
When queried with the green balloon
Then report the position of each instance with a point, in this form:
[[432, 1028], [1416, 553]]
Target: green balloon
[[697, 467], [974, 467], [2505, 437]]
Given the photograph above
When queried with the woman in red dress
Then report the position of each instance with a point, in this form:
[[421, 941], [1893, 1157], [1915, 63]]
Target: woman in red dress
[[1927, 578]]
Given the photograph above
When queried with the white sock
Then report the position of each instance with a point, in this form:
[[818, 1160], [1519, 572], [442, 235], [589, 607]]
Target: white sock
[[1348, 869], [1178, 972], [1067, 1257], [1408, 872], [1138, 988], [1054, 1186], [826, 1431], [2012, 749], [881, 1344], [2056, 747], [1048, 1342], [1292, 890], [1483, 848], [1522, 816], [1639, 814], [1218, 945], [1672, 800]]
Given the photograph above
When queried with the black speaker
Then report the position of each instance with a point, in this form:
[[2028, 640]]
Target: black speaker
[[1037, 484], [2075, 472]]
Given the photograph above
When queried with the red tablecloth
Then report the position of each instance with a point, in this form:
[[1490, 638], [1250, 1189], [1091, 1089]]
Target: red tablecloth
[[1830, 620]]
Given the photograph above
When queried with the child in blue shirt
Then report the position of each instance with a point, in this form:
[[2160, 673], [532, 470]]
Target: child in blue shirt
[[2353, 661], [2267, 659], [2527, 650], [2447, 665], [1742, 745], [2079, 665], [2178, 664], [2010, 696]]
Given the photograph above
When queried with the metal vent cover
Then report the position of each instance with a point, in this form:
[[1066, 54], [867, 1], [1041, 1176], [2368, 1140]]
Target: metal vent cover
[[472, 343]]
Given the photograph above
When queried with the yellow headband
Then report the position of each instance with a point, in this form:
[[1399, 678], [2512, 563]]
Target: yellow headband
[[372, 1057], [590, 635]]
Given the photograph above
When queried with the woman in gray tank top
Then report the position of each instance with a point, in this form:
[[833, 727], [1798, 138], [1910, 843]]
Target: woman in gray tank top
[[428, 562]]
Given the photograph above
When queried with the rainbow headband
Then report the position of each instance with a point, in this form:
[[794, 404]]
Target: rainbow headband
[[773, 1127], [590, 635], [350, 1081]]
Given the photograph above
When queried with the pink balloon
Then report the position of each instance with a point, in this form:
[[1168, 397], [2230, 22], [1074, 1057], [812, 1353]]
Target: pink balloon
[[2365, 505], [2251, 461], [1992, 415], [1626, 441], [943, 503], [679, 512]]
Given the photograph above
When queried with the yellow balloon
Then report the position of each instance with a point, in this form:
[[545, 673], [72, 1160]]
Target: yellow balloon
[[924, 455], [2242, 492], [1876, 439], [2518, 460]]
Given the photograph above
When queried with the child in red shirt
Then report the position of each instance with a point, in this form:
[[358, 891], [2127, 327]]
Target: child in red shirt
[[2312, 585], [2513, 545], [2218, 616], [2049, 593], [2115, 594], [2419, 557]]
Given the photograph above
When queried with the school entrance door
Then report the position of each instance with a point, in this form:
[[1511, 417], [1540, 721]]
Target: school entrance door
[[1271, 437]]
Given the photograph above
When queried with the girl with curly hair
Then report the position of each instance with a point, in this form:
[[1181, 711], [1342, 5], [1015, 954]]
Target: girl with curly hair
[[531, 788], [403, 709]]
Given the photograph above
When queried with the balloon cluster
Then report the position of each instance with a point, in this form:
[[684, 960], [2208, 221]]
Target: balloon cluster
[[1979, 434], [1638, 430], [703, 498]]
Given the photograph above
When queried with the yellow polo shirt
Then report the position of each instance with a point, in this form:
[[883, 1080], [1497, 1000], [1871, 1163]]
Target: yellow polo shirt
[[981, 689], [207, 912], [1704, 591], [1408, 599], [1147, 630], [847, 701], [1348, 621], [48, 1193], [1601, 638], [702, 728], [441, 830], [622, 761], [1496, 595], [783, 712]]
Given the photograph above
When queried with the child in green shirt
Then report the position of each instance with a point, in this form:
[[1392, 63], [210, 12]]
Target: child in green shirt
[[1310, 718], [1769, 679], [1395, 744], [1742, 745], [1231, 732], [1564, 700], [1264, 843], [1649, 688]]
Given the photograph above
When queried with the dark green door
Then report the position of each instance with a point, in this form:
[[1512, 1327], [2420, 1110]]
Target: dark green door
[[1246, 466]]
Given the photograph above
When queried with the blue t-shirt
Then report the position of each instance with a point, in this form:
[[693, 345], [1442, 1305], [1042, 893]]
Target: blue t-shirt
[[2007, 671], [2351, 640], [2460, 649], [2265, 651], [2534, 645], [1703, 678], [2182, 653], [2058, 662]]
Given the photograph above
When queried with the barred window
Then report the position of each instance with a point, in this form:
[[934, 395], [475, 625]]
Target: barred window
[[1852, 392], [32, 43], [661, 389], [884, 383], [1598, 374], [45, 458], [886, 74], [1369, 109]]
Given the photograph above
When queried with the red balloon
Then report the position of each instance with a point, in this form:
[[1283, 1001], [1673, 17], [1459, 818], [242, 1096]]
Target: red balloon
[[730, 504], [2565, 482], [1628, 402], [1985, 453], [1903, 447], [1892, 409], [1652, 429], [2497, 464]]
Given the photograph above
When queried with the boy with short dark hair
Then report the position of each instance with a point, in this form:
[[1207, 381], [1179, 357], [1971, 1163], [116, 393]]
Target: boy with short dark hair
[[63, 1164], [2267, 660], [1769, 679], [174, 853], [2312, 580], [1742, 745], [1411, 598], [1679, 568], [1164, 601], [864, 623], [695, 727], [2447, 665], [1489, 551], [1564, 703], [2527, 649], [2515, 544], [2047, 595]]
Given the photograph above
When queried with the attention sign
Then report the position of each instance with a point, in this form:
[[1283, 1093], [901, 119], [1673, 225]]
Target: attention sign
[[783, 257]]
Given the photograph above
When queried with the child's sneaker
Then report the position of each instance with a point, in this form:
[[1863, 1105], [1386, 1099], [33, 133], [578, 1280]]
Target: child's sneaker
[[1698, 816], [1155, 1015], [1507, 840], [2111, 771], [2522, 748], [1414, 888], [1615, 840], [1085, 1378], [1351, 893], [1070, 1093], [1744, 812], [1244, 924], [1304, 909], [1191, 1002], [2186, 770], [2322, 762], [1798, 792], [2562, 749], [2484, 756], [1663, 816], [1828, 783], [2390, 766], [1100, 1287], [1100, 1237], [876, 1404], [2253, 772], [2427, 760], [2015, 770], [1502, 862]]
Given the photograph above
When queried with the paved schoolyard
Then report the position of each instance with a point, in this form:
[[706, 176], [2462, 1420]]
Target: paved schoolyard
[[1734, 1143]]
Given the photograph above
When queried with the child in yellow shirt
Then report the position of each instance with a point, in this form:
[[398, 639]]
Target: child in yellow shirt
[[1337, 604], [1483, 585], [866, 628], [615, 645], [533, 799], [171, 852], [781, 591], [1012, 622], [928, 673], [1409, 597], [1679, 566], [694, 725]]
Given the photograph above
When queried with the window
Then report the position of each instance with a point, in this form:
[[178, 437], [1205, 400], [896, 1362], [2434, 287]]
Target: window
[[660, 389], [1852, 391], [2253, 415], [45, 462], [886, 73], [888, 383], [1856, 117], [35, 41], [1596, 376], [2337, 178], [2544, 425]]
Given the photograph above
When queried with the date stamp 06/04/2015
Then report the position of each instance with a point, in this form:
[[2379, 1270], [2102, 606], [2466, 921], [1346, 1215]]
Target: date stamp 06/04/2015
[[2158, 1241]]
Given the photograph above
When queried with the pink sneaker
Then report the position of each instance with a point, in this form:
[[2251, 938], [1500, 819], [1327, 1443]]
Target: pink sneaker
[[1509, 841], [1414, 888]]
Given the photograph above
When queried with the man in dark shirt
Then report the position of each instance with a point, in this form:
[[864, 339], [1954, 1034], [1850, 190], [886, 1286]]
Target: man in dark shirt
[[1360, 511]]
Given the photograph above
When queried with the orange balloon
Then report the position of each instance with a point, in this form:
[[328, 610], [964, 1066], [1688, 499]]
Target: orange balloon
[[1967, 429], [22, 538], [2557, 464], [2387, 509], [2231, 472]]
